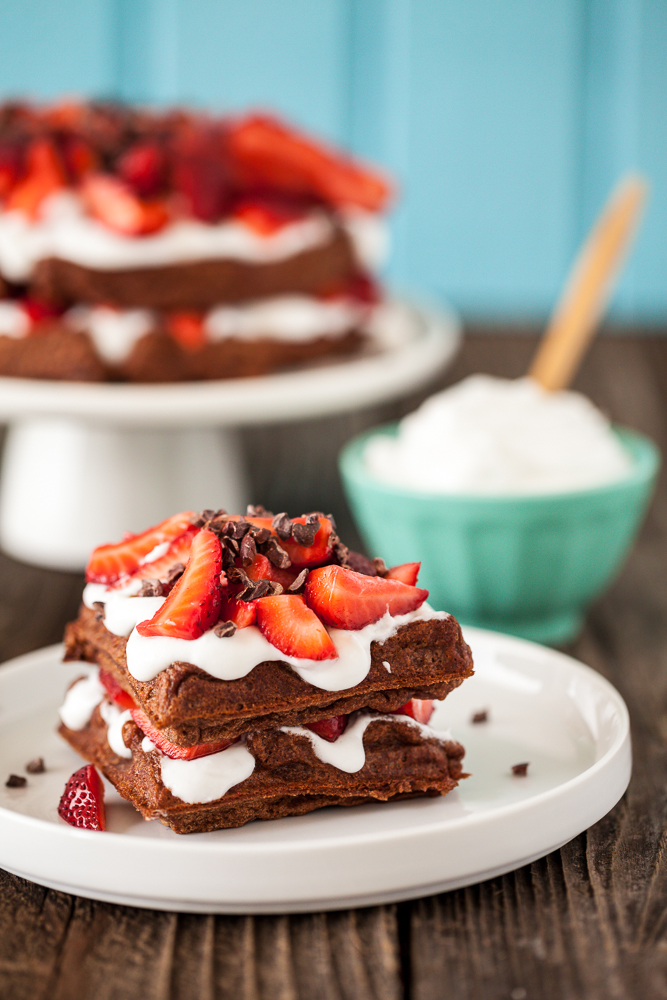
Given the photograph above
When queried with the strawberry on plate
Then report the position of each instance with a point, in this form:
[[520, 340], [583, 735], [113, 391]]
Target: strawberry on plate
[[329, 729], [82, 802], [293, 628], [170, 749], [420, 709], [117, 694], [109, 563], [406, 573], [349, 600], [193, 605]]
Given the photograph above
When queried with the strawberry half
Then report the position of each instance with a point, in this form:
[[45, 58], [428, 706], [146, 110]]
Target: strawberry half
[[193, 605], [117, 694], [293, 628], [45, 175], [82, 802], [115, 204], [405, 573], [178, 552], [170, 749], [420, 709], [350, 600], [329, 729], [109, 563]]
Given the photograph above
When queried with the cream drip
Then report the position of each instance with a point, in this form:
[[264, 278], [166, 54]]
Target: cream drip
[[81, 701], [114, 332], [115, 720], [207, 778], [14, 320]]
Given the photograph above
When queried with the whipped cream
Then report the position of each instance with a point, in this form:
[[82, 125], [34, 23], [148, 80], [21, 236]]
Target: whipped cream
[[497, 436], [81, 701], [114, 332], [115, 720], [207, 778], [292, 318], [64, 230], [236, 655], [14, 320]]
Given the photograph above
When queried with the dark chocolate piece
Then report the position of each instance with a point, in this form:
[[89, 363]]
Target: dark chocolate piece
[[16, 781], [36, 766], [482, 716], [520, 770]]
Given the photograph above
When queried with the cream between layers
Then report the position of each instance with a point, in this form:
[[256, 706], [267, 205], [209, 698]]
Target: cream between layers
[[235, 656], [495, 436]]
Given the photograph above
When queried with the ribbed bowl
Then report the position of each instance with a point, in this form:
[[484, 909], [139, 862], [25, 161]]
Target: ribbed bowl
[[526, 565]]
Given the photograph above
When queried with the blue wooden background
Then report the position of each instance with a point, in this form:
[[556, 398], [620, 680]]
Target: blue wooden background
[[507, 121]]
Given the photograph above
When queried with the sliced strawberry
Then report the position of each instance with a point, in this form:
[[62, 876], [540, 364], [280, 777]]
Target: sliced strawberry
[[109, 563], [350, 600], [193, 605], [117, 694], [79, 157], [178, 552], [262, 568], [201, 174], [82, 802], [268, 152], [45, 176], [293, 628], [242, 613], [329, 729], [420, 709], [115, 204], [12, 161], [170, 749], [143, 167], [265, 217], [187, 329], [405, 573]]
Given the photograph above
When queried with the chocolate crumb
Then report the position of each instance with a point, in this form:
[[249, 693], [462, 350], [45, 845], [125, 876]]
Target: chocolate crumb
[[276, 554], [98, 607], [260, 589], [151, 588], [282, 525], [340, 551], [16, 781], [198, 521], [257, 510], [248, 550], [230, 544], [275, 588], [380, 566], [360, 564], [224, 629], [36, 766], [299, 582], [520, 770], [261, 535], [304, 534], [482, 716], [172, 575]]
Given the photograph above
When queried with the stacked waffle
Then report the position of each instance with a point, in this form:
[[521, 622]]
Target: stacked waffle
[[252, 667], [166, 246]]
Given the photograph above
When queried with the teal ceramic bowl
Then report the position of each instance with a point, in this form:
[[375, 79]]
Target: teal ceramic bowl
[[526, 565]]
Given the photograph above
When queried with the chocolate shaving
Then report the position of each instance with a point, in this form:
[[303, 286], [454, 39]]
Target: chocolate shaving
[[16, 781], [206, 515], [230, 544], [36, 766], [261, 535], [238, 575], [237, 529], [380, 566], [360, 563], [299, 582], [341, 553], [304, 534], [151, 588], [260, 589], [275, 588], [224, 629], [276, 554], [257, 510], [482, 716], [282, 525], [520, 770], [248, 550], [172, 575], [98, 607]]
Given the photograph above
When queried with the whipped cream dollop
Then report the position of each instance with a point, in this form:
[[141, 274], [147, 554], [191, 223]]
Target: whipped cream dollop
[[499, 436], [207, 778], [81, 701], [66, 231]]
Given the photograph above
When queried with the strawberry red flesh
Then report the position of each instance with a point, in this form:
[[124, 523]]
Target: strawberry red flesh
[[420, 709], [143, 167], [310, 555], [82, 802], [241, 613], [45, 176], [187, 329], [349, 600], [170, 749], [109, 563], [115, 204], [117, 694], [178, 552], [406, 573], [193, 605], [293, 628], [329, 729]]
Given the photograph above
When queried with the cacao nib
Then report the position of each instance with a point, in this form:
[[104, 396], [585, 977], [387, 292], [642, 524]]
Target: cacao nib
[[151, 588], [282, 525], [36, 766], [380, 566], [520, 770], [299, 582], [256, 510], [304, 534], [248, 550], [261, 535], [360, 564], [276, 554], [173, 574], [224, 629], [482, 716], [16, 781]]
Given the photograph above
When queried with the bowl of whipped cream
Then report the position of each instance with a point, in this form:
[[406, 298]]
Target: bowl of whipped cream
[[521, 504]]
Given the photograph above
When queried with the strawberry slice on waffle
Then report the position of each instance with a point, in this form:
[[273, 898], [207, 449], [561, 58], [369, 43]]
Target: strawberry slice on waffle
[[349, 600], [109, 563]]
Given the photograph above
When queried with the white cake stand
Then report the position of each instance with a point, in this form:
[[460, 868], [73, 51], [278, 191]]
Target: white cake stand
[[85, 462]]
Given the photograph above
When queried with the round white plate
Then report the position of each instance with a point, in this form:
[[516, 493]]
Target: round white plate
[[545, 708], [423, 342]]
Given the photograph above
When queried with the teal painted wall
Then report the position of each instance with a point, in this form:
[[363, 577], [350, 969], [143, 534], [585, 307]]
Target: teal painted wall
[[506, 121]]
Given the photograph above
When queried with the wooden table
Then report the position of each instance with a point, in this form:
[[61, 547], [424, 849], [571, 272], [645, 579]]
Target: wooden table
[[589, 921]]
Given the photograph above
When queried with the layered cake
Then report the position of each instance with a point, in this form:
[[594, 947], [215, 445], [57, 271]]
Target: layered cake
[[253, 667], [162, 246]]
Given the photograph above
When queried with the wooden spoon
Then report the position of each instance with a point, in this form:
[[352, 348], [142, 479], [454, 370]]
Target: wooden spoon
[[589, 286]]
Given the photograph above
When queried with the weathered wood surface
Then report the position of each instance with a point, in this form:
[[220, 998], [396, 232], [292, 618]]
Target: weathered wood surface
[[588, 921]]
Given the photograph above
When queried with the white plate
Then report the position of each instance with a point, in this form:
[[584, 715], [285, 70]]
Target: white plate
[[568, 722], [426, 342]]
